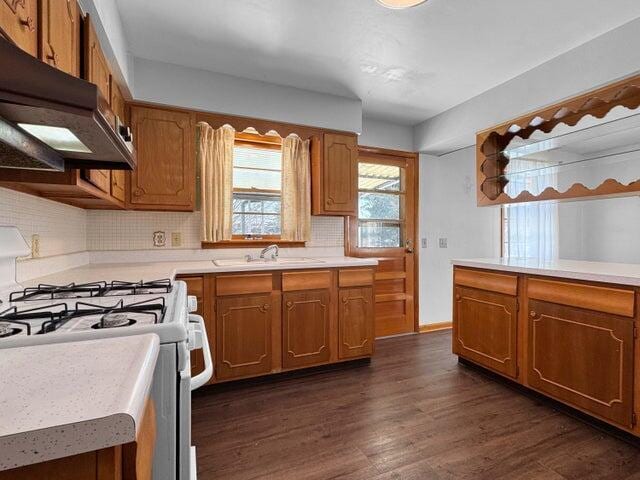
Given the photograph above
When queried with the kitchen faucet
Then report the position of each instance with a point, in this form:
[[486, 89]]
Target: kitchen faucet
[[273, 249]]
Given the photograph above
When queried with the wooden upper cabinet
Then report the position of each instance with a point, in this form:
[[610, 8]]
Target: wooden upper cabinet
[[305, 328], [335, 175], [96, 68], [118, 177], [60, 35], [582, 357], [485, 328], [243, 335], [355, 322], [19, 23], [165, 146]]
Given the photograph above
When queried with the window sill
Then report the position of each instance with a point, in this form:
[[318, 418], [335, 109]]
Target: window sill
[[252, 244]]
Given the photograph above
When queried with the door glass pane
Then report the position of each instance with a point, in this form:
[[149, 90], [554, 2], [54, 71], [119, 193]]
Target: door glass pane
[[255, 224], [248, 157], [248, 178], [378, 206], [379, 235], [374, 176]]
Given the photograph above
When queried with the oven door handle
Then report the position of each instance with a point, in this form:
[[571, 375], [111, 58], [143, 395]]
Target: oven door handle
[[200, 331]]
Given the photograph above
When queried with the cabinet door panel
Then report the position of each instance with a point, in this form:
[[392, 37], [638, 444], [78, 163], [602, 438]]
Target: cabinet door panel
[[19, 22], [243, 335], [60, 35], [165, 147], [305, 328], [582, 357], [485, 329], [340, 174], [355, 322]]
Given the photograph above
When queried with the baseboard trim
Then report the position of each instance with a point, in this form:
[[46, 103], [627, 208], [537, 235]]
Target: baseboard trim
[[435, 327]]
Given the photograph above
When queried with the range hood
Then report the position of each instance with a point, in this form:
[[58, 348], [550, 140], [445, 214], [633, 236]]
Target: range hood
[[50, 120]]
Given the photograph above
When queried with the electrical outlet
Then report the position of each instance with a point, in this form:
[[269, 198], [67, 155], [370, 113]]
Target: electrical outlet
[[159, 239], [423, 242], [35, 246], [176, 239], [442, 242]]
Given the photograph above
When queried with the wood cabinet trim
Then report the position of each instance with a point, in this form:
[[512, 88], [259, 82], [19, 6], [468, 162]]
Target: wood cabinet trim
[[244, 284], [483, 280], [601, 299]]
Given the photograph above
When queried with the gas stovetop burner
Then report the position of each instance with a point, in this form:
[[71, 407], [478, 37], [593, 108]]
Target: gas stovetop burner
[[114, 320], [91, 290], [7, 330]]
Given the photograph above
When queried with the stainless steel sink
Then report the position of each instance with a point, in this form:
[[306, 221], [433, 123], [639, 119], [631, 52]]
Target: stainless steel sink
[[235, 262]]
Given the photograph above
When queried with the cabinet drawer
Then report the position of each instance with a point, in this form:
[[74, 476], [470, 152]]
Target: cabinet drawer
[[244, 284], [355, 277], [195, 286], [316, 280], [493, 282], [601, 299]]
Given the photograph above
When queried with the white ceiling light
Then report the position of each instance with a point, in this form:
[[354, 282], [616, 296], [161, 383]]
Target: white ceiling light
[[400, 4]]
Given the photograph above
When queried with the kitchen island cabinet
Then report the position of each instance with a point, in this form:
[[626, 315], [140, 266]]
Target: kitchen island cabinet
[[573, 339]]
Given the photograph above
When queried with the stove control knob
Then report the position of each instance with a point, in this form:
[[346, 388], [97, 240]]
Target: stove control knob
[[192, 303]]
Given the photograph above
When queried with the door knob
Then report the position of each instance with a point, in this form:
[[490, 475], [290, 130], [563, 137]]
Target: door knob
[[409, 246]]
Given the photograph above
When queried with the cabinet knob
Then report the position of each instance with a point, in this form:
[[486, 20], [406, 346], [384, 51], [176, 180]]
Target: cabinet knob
[[29, 23], [532, 314], [458, 297], [345, 300]]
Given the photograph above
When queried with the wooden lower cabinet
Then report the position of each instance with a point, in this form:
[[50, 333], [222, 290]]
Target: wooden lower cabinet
[[243, 335], [485, 329], [574, 341], [305, 328], [195, 287], [355, 325], [582, 357]]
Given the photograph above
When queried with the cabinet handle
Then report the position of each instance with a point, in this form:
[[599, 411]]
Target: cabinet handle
[[29, 23], [53, 56], [289, 305], [533, 314], [137, 192], [266, 306]]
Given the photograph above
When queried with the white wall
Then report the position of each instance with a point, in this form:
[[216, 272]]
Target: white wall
[[215, 92], [382, 134], [448, 210], [598, 62]]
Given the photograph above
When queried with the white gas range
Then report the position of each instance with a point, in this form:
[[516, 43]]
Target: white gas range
[[65, 313]]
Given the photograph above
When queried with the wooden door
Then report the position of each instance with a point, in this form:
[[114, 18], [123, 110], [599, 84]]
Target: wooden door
[[355, 328], [19, 23], [60, 35], [243, 335], [582, 357], [485, 329], [335, 182], [305, 328], [165, 145], [385, 228]]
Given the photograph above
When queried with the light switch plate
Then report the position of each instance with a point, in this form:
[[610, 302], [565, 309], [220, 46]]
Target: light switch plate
[[442, 242], [159, 239], [35, 245]]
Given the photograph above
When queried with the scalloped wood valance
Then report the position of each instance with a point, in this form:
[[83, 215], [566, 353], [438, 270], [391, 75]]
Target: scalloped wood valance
[[491, 163]]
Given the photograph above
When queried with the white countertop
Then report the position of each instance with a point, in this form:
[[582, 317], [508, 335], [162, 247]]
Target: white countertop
[[63, 399], [619, 273], [133, 272]]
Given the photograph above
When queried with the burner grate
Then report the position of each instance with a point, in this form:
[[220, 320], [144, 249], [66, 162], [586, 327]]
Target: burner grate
[[56, 292]]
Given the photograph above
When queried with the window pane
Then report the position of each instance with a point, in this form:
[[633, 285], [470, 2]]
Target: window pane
[[247, 203], [373, 176], [259, 179], [378, 235], [255, 224], [257, 158], [379, 206]]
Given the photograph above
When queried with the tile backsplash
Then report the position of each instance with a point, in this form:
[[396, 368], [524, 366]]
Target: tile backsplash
[[65, 229], [62, 228]]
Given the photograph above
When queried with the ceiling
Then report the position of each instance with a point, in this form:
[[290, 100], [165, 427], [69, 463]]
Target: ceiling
[[406, 66]]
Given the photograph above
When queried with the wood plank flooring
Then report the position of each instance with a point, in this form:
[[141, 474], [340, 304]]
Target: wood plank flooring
[[413, 413]]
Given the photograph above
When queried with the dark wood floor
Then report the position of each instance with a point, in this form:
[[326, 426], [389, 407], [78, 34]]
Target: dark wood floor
[[412, 413]]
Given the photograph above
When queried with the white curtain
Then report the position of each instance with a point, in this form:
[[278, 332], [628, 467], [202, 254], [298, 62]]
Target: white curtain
[[531, 229], [296, 190], [215, 152]]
